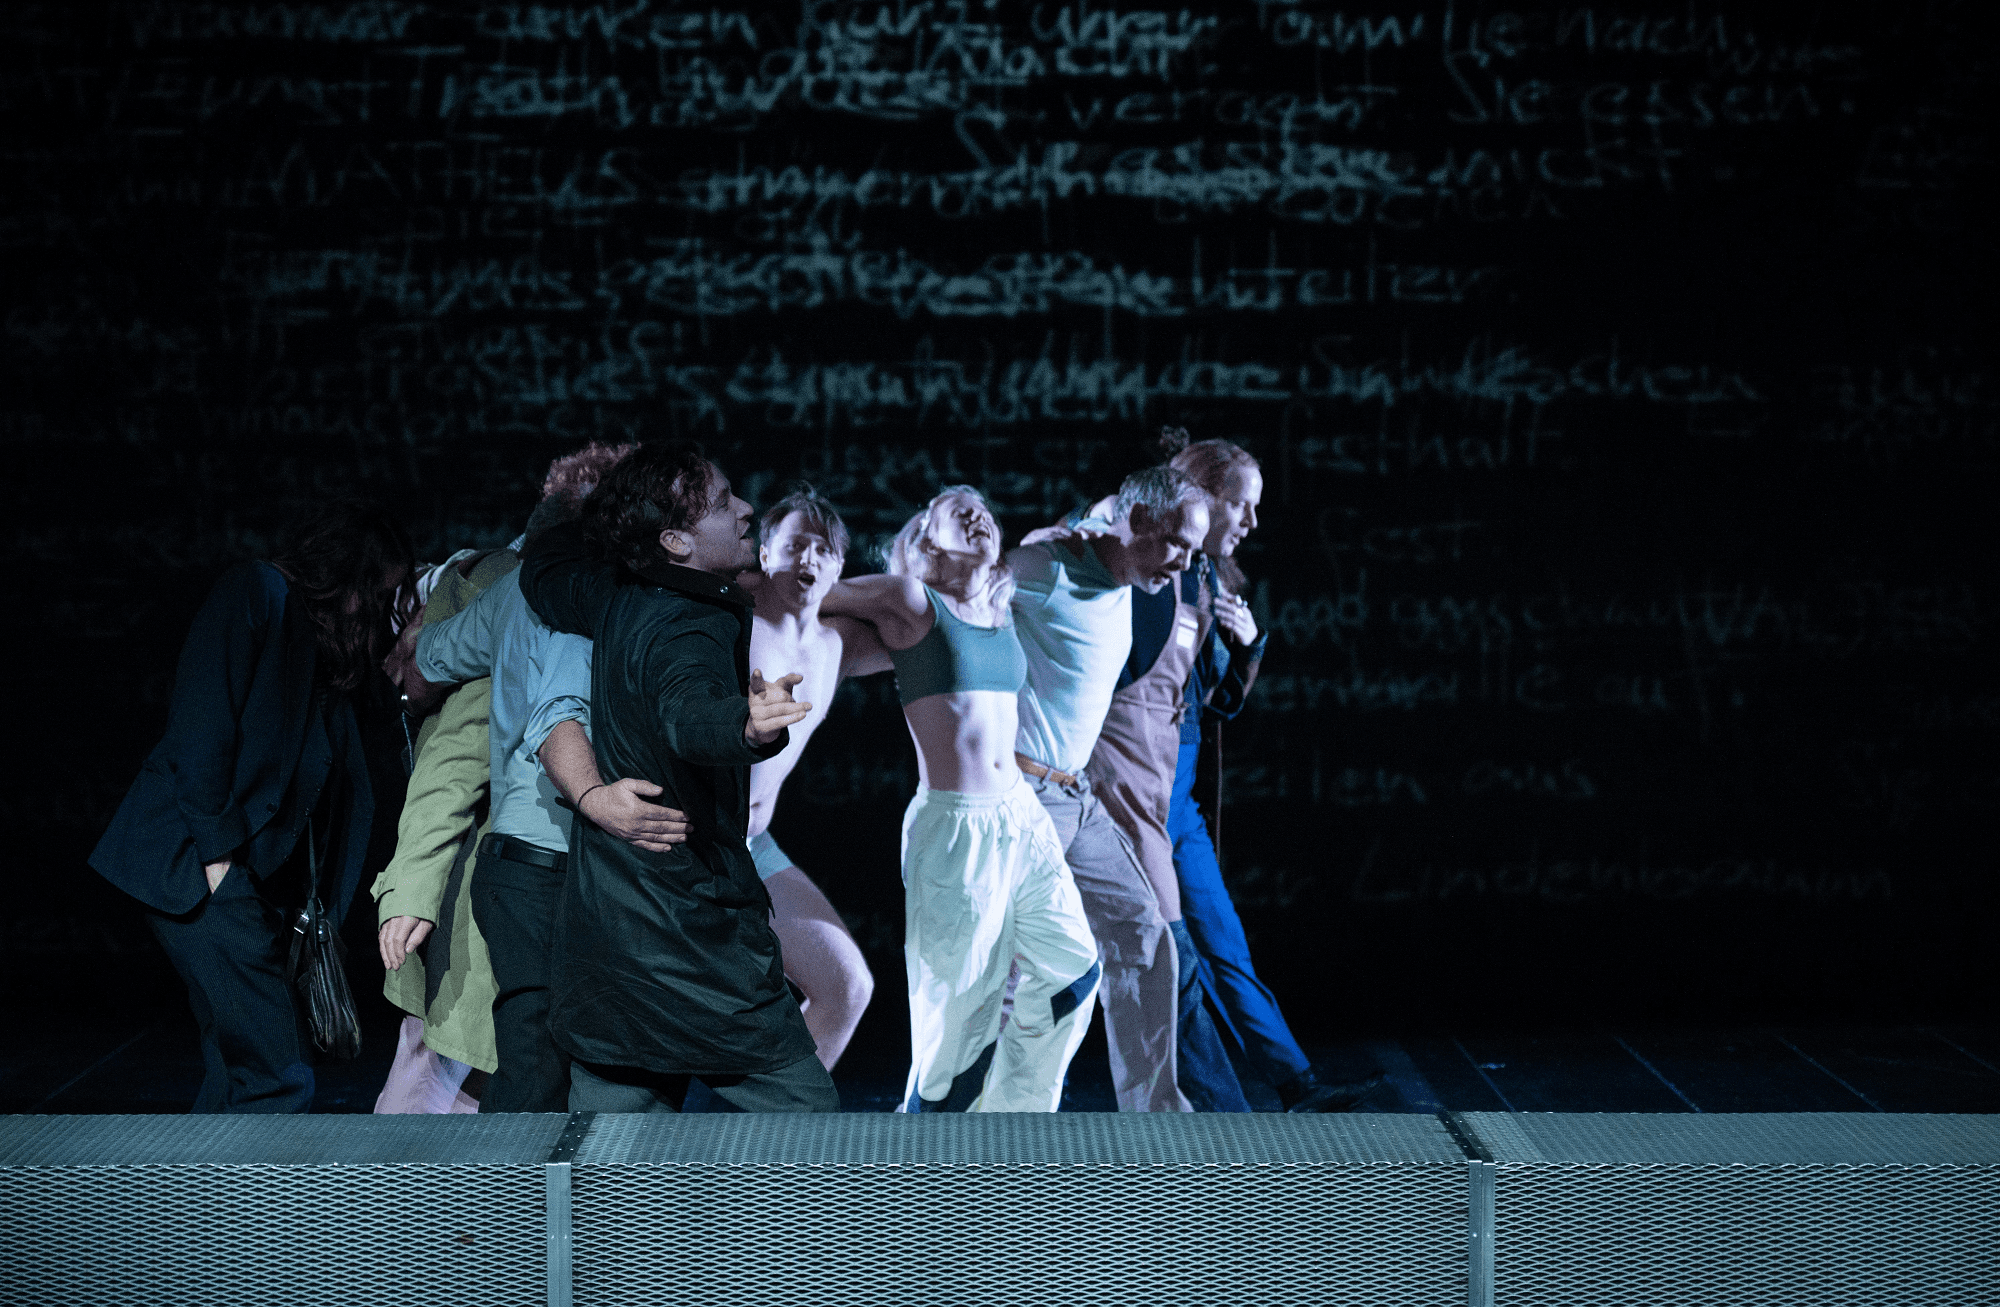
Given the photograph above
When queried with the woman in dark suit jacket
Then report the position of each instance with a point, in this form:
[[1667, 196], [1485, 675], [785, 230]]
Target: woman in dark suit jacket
[[262, 748]]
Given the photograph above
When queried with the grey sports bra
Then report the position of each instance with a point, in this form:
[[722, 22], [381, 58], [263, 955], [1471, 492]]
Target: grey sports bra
[[955, 655]]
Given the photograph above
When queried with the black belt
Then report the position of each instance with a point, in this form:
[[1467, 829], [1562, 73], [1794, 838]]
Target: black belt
[[506, 846]]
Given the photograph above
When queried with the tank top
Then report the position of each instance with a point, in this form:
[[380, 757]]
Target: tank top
[[955, 655]]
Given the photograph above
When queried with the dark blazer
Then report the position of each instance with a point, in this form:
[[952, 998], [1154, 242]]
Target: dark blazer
[[244, 759], [665, 961], [1217, 690]]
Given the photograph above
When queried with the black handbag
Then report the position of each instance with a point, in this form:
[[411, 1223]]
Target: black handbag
[[319, 969]]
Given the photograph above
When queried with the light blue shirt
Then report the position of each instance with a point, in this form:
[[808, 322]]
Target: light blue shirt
[[1075, 625], [540, 679]]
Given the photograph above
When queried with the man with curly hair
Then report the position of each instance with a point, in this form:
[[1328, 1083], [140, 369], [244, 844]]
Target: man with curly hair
[[531, 740], [666, 968]]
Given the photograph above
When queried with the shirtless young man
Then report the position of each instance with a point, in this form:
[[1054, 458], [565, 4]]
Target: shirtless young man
[[804, 544], [985, 887]]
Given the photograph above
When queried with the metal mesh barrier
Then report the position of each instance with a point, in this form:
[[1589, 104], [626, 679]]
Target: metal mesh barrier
[[1003, 1209], [1806, 1208], [879, 1209], [273, 1210]]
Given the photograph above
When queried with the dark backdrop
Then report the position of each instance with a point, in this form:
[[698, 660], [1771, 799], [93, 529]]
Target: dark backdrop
[[1628, 537]]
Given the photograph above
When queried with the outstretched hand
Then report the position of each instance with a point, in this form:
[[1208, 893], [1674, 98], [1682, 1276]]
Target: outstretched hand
[[771, 707]]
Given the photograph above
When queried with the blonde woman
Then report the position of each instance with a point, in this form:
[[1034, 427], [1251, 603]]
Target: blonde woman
[[985, 886]]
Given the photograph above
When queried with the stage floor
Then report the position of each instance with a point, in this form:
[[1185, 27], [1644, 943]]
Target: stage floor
[[74, 1064]]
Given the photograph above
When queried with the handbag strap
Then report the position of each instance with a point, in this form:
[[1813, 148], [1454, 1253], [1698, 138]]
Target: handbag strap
[[307, 918]]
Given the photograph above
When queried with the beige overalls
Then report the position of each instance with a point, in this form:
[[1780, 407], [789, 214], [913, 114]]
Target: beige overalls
[[1132, 767]]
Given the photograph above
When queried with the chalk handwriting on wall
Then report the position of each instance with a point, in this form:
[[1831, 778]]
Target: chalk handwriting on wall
[[1573, 341], [1382, 877]]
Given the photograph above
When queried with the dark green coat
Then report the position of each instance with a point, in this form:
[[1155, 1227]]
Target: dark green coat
[[665, 961]]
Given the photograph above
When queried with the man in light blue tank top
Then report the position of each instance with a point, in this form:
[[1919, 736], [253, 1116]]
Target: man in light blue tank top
[[1073, 610]]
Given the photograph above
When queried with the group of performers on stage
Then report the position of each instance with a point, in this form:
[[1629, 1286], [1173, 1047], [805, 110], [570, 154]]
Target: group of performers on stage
[[586, 910]]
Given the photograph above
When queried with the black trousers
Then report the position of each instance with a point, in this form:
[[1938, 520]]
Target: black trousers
[[515, 906], [233, 952], [804, 1086]]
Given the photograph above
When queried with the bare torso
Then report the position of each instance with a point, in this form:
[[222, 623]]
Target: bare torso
[[813, 649], [965, 739]]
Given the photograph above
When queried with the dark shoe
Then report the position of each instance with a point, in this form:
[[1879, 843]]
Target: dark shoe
[[1306, 1092]]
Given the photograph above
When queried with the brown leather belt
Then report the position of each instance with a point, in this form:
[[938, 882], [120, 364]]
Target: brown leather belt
[[1042, 771]]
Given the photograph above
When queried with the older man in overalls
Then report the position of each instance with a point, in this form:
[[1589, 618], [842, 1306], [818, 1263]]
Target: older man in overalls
[[1132, 771]]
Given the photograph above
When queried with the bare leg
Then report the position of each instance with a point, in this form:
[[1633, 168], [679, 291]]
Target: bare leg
[[822, 958]]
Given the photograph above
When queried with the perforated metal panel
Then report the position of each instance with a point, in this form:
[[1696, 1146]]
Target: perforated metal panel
[[1806, 1208], [273, 1210], [888, 1209], [1006, 1209]]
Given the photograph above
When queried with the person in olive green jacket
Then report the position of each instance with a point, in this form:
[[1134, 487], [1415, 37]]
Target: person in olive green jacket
[[477, 996], [444, 984]]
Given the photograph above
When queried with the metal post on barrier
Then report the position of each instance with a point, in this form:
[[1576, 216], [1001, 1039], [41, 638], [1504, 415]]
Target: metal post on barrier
[[1479, 1241], [1478, 1214], [556, 1181]]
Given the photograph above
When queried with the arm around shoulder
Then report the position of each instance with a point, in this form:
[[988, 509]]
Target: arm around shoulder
[[862, 652], [460, 647], [564, 581], [1034, 567], [895, 606]]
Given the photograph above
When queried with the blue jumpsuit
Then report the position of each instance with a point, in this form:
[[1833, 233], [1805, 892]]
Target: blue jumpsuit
[[1216, 692]]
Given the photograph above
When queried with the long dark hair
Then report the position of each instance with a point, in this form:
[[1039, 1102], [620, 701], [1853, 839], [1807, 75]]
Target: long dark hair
[[349, 565]]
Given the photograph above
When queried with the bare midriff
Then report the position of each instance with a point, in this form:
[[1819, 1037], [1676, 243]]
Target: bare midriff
[[965, 740]]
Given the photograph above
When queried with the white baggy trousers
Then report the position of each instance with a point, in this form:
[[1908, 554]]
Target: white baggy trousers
[[986, 890]]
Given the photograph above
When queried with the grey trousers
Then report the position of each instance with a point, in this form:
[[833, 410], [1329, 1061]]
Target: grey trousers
[[804, 1086], [1140, 990]]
